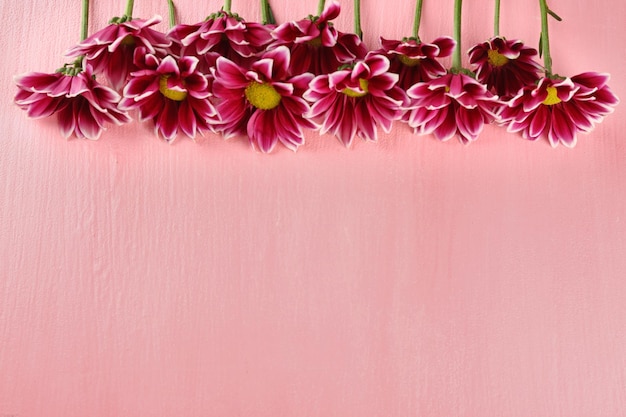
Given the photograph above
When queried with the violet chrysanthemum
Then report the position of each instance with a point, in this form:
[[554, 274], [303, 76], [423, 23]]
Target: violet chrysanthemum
[[221, 34], [316, 46], [560, 108], [455, 104], [264, 100], [356, 100], [172, 93], [82, 105], [416, 61], [505, 66], [110, 50]]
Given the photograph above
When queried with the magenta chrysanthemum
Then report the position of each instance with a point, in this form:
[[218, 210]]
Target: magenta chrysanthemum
[[222, 34], [454, 104], [110, 50], [82, 105], [264, 101], [505, 66], [560, 108], [316, 46], [415, 61], [172, 93], [356, 100]]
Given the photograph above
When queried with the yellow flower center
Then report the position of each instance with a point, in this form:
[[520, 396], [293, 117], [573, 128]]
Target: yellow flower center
[[175, 95], [353, 93], [315, 41], [128, 41], [496, 58], [552, 97], [262, 95], [409, 62]]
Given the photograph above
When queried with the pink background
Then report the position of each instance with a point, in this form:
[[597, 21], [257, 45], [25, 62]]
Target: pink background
[[404, 278]]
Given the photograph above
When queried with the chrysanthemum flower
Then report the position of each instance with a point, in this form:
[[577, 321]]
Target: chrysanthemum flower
[[82, 105], [110, 50], [560, 108], [356, 100], [455, 104], [505, 66], [416, 61], [316, 46], [172, 93], [264, 101], [221, 34]]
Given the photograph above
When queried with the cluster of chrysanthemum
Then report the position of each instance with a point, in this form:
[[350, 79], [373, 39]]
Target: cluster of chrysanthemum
[[269, 83]]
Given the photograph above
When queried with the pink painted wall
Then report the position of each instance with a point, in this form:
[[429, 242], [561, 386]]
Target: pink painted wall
[[407, 278]]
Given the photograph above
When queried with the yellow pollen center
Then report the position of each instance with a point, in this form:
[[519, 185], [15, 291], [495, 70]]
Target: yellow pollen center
[[128, 41], [262, 96], [552, 97], [167, 92], [409, 62], [352, 93], [496, 59], [315, 41]]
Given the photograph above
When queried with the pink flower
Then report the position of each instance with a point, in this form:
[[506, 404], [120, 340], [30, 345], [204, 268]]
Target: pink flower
[[357, 100], [110, 50], [415, 61], [560, 108], [505, 66], [172, 93], [82, 105], [222, 34], [316, 46], [454, 104], [265, 100]]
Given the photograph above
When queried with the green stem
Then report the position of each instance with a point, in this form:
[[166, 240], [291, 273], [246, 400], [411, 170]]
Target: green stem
[[357, 19], [227, 4], [265, 15], [545, 38], [496, 20], [456, 57], [84, 29], [417, 20], [129, 9], [320, 7], [172, 13]]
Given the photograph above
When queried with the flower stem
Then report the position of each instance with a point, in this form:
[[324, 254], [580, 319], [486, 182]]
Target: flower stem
[[227, 4], [357, 19], [456, 57], [320, 7], [545, 38], [84, 29], [417, 19], [172, 13], [129, 9], [496, 20], [267, 16]]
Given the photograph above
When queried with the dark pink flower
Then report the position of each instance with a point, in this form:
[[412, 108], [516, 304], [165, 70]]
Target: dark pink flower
[[455, 104], [505, 66], [316, 46], [222, 34], [356, 100], [110, 50], [560, 108], [172, 93], [82, 105], [264, 101], [416, 61]]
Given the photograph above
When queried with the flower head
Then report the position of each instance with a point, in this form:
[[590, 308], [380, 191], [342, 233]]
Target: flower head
[[560, 108], [110, 50], [171, 92], [264, 100], [505, 66], [82, 105], [356, 100], [454, 104], [316, 46], [221, 34]]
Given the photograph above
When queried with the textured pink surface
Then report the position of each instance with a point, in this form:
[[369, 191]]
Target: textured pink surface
[[406, 278]]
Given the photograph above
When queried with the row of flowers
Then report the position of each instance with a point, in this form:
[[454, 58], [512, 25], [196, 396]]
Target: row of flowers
[[270, 83]]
